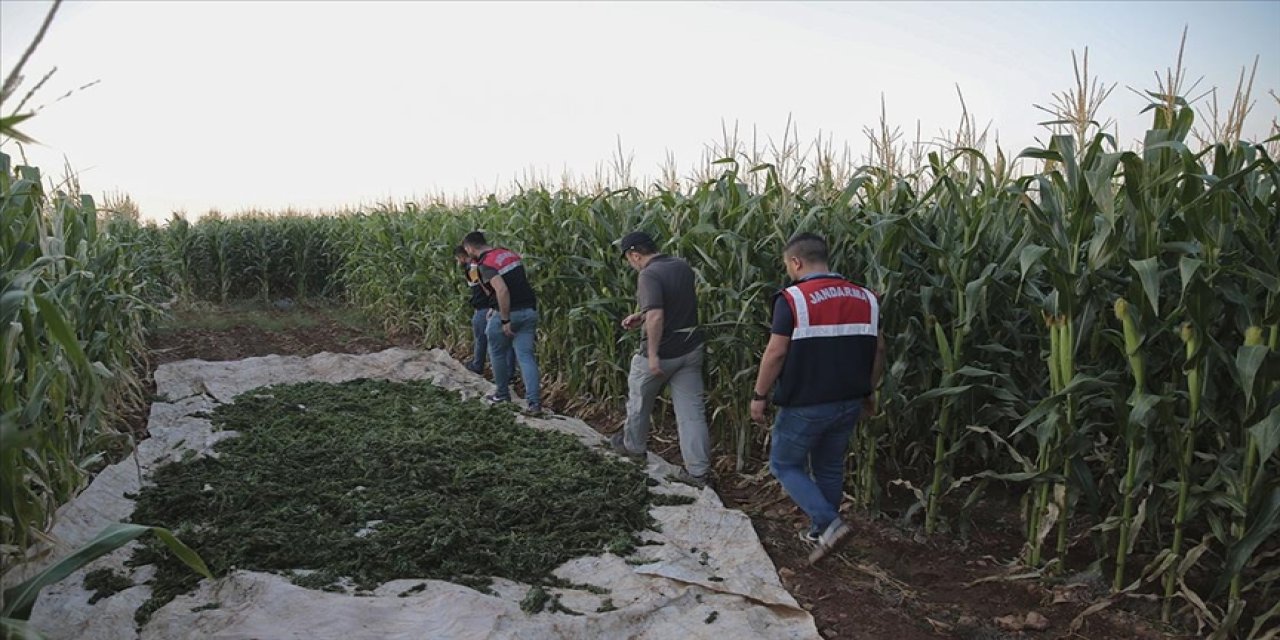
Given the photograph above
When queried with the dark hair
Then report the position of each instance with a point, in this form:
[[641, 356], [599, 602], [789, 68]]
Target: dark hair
[[475, 239], [460, 250], [809, 247]]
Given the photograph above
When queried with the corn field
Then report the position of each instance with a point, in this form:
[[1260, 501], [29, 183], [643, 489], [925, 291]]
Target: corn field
[[1101, 335], [73, 316]]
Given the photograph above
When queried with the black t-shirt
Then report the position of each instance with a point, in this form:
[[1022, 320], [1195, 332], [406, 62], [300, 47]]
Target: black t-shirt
[[667, 283], [783, 320]]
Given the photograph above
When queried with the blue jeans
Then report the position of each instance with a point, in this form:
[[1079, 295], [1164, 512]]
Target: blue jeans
[[815, 436], [480, 347], [524, 324]]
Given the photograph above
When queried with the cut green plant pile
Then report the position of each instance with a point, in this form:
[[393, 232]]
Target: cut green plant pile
[[105, 583], [374, 481]]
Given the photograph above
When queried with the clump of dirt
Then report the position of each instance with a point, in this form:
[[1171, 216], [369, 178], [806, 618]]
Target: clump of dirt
[[369, 481]]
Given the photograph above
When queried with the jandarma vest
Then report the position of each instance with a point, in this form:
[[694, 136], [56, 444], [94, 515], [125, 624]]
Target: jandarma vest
[[510, 266], [835, 325]]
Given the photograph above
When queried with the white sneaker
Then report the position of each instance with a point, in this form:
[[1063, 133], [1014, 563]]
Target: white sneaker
[[836, 534]]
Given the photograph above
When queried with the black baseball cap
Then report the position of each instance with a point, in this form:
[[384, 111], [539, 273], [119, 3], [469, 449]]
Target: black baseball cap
[[635, 239]]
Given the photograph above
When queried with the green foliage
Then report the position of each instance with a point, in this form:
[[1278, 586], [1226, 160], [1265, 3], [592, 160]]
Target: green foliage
[[374, 481], [105, 583], [74, 309], [1006, 360]]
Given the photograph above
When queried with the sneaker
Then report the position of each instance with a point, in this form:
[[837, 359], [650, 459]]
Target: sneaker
[[808, 536], [476, 370], [697, 482], [535, 412], [618, 443], [836, 534], [493, 399]]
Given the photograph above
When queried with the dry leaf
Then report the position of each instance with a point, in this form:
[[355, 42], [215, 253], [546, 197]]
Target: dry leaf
[[939, 627], [1011, 622], [1071, 593], [1014, 622], [1036, 621]]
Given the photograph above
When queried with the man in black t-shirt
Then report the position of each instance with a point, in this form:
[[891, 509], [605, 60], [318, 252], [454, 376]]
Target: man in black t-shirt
[[512, 319]]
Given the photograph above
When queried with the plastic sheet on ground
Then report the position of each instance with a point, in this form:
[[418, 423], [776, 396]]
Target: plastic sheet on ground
[[707, 577]]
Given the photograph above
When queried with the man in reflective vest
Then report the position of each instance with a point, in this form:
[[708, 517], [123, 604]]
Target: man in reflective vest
[[823, 362], [513, 319]]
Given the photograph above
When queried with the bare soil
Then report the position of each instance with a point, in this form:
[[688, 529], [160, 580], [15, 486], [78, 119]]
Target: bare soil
[[890, 582], [234, 335]]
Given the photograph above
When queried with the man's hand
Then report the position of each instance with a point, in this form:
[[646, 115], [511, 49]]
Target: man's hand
[[655, 367], [506, 330], [775, 354], [632, 321]]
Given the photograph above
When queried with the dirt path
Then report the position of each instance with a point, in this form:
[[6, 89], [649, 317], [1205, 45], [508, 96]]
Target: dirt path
[[890, 582]]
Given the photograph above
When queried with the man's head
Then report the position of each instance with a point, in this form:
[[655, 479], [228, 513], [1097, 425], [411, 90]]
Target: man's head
[[460, 254], [475, 243], [805, 253], [638, 247]]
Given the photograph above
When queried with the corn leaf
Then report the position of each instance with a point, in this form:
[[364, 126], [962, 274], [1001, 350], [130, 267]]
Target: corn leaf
[[1149, 274], [1266, 435], [1263, 525]]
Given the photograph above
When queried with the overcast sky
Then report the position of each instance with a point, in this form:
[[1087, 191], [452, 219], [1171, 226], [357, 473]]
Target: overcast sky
[[233, 105]]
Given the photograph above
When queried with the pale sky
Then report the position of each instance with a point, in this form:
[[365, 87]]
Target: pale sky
[[311, 105]]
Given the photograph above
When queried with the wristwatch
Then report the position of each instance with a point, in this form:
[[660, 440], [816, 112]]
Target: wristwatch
[[507, 321], [756, 396]]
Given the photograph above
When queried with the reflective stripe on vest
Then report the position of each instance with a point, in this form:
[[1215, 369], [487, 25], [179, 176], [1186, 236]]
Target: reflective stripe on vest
[[814, 292], [502, 261]]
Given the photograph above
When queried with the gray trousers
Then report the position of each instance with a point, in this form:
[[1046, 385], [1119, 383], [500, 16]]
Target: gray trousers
[[684, 374]]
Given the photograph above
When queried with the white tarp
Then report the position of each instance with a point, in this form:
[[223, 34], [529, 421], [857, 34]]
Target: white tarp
[[709, 577]]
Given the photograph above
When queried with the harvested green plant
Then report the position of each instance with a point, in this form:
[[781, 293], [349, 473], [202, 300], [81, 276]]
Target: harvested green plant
[[374, 481]]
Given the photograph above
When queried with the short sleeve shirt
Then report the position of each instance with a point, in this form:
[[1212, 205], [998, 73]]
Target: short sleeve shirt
[[783, 320], [667, 283]]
